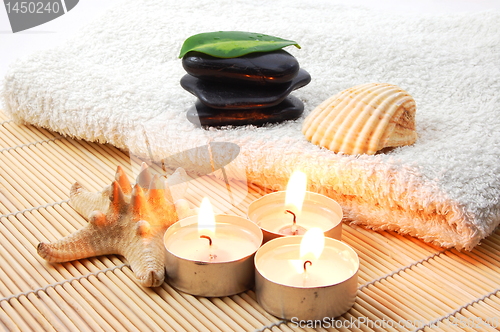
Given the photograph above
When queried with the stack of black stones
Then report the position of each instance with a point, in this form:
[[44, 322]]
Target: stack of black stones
[[253, 89]]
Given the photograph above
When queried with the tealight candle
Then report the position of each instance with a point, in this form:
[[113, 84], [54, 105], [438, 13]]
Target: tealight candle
[[294, 211], [295, 282], [211, 255]]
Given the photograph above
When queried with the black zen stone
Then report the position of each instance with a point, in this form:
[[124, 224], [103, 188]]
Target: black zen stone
[[239, 96], [290, 109], [259, 68]]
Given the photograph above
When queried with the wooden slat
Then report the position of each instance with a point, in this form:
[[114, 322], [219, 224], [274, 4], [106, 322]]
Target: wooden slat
[[400, 279]]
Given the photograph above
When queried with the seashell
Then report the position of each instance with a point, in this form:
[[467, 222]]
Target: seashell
[[127, 220], [85, 202], [363, 119]]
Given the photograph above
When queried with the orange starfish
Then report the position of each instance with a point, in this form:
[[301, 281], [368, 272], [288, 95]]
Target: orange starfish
[[125, 220]]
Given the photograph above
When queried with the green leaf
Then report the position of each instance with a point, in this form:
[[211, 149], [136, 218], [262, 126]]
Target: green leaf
[[232, 44]]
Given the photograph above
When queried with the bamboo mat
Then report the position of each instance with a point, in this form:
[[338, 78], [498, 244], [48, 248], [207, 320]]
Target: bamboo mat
[[404, 284]]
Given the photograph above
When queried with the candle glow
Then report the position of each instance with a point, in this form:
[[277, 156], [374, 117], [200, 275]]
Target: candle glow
[[296, 192], [206, 219], [312, 244]]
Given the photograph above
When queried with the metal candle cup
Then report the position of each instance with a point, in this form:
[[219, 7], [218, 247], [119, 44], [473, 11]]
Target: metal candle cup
[[317, 211], [284, 293], [190, 262]]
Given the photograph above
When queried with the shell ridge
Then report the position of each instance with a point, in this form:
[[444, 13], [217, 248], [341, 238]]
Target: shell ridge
[[323, 126], [358, 117], [380, 122], [390, 123], [339, 119]]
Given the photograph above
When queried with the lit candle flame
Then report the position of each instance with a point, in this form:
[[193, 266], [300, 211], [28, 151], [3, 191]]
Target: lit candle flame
[[296, 191], [206, 219], [311, 247], [312, 244]]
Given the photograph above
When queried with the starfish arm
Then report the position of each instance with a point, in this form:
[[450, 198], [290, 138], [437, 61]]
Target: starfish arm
[[87, 242], [82, 244], [146, 255], [85, 202]]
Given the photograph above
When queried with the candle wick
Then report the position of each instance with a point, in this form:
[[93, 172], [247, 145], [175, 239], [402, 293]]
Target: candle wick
[[294, 228], [294, 216], [208, 238], [305, 265]]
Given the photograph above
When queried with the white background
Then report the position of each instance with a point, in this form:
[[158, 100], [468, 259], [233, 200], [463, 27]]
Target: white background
[[14, 45]]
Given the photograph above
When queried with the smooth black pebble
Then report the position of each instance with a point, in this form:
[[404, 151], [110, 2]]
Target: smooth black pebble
[[254, 68], [239, 96], [290, 109]]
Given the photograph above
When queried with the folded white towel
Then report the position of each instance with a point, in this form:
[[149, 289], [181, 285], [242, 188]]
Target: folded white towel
[[120, 76]]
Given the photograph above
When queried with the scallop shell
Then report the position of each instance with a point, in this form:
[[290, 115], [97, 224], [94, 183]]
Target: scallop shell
[[363, 119]]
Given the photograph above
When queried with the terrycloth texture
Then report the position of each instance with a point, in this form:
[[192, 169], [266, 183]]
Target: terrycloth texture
[[121, 76]]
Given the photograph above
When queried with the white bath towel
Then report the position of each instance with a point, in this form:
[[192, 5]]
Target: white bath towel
[[120, 76]]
